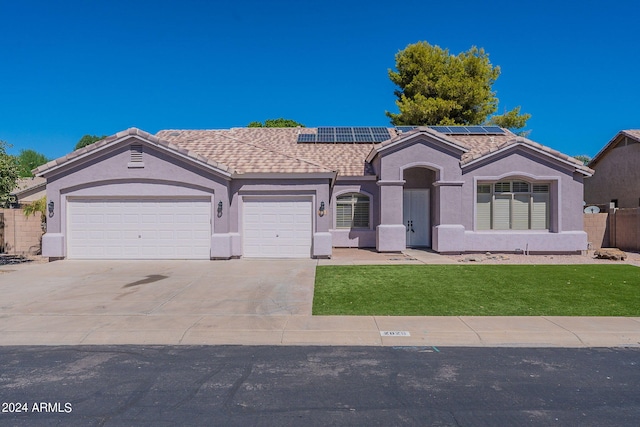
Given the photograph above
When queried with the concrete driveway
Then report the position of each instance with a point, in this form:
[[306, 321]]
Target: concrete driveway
[[95, 302], [246, 302]]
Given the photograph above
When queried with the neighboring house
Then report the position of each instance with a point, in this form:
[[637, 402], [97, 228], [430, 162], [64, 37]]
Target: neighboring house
[[617, 176], [299, 192], [28, 190]]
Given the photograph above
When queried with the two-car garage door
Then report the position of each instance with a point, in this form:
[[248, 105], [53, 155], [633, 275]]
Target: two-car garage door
[[139, 229]]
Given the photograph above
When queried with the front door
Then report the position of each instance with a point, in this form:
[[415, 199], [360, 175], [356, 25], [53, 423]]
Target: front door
[[416, 217]]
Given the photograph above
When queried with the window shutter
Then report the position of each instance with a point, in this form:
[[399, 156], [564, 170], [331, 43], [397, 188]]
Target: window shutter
[[483, 211], [501, 212], [343, 215], [361, 214], [540, 211], [520, 212]]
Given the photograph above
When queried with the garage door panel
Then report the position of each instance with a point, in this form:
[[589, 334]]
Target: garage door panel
[[277, 228], [140, 229]]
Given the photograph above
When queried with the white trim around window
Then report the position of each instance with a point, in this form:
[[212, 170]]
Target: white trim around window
[[352, 210], [513, 204]]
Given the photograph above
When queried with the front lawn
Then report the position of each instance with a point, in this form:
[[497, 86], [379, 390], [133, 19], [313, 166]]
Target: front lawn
[[478, 290]]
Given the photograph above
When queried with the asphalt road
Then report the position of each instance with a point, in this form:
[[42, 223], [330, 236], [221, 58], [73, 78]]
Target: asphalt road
[[318, 386]]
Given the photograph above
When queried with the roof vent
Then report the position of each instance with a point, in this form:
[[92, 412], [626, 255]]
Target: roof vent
[[135, 160]]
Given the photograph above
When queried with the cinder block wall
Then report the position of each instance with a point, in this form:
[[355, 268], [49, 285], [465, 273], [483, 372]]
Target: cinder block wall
[[596, 227], [20, 235], [627, 226]]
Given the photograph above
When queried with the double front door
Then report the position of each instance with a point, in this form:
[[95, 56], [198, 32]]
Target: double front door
[[415, 214]]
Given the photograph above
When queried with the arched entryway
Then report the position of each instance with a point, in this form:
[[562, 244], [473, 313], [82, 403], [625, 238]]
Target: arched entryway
[[417, 205]]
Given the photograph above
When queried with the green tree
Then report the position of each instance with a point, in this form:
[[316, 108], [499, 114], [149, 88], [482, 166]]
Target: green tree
[[38, 206], [583, 158], [438, 88], [88, 140], [28, 160], [276, 123], [8, 173], [512, 120]]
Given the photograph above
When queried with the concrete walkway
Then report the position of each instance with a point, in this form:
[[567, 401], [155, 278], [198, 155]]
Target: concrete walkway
[[248, 302]]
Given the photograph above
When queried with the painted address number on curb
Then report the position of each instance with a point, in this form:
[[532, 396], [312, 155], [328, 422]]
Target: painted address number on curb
[[395, 333]]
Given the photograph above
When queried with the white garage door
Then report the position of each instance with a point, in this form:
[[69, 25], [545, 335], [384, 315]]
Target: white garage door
[[139, 229], [279, 228]]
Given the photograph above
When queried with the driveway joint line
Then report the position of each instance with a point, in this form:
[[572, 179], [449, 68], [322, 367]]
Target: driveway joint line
[[568, 330], [473, 330]]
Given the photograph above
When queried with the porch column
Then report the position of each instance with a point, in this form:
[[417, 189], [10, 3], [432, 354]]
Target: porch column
[[391, 234], [448, 234]]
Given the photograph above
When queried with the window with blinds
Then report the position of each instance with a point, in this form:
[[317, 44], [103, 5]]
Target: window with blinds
[[352, 211], [512, 205]]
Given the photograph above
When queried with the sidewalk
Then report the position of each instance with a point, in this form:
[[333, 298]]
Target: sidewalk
[[249, 302]]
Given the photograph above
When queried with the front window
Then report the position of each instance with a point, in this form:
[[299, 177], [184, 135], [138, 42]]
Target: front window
[[352, 211], [512, 205]]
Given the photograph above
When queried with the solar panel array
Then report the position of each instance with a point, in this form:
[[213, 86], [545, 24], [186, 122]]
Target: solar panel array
[[469, 130], [368, 135], [346, 134]]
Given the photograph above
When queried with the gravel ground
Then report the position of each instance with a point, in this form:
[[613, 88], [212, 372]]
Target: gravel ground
[[633, 258], [21, 259]]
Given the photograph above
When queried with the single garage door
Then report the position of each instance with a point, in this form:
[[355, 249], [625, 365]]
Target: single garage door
[[277, 228], [139, 229]]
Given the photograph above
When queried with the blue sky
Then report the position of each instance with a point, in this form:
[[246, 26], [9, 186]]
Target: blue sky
[[69, 68]]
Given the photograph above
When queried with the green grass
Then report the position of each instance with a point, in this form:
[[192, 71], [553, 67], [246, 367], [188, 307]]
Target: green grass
[[478, 290]]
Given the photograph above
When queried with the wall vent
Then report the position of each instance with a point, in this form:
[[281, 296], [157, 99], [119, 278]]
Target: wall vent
[[135, 159]]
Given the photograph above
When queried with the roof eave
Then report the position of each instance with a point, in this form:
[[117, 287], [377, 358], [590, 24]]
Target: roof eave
[[423, 130], [583, 170], [608, 145], [100, 146]]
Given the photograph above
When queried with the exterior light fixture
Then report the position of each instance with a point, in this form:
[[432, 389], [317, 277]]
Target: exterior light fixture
[[219, 208], [51, 206], [321, 211]]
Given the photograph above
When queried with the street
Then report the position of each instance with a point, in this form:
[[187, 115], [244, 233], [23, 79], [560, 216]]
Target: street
[[267, 385]]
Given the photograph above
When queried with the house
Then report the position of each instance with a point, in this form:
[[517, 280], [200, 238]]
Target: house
[[28, 190], [617, 177], [299, 192]]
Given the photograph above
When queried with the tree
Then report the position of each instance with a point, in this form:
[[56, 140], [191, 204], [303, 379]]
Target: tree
[[438, 88], [276, 123], [88, 140], [28, 160], [8, 173], [583, 158], [512, 120], [38, 206]]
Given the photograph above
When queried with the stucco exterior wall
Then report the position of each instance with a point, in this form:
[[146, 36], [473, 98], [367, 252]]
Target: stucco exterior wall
[[616, 176], [565, 232], [107, 174], [356, 238], [454, 198]]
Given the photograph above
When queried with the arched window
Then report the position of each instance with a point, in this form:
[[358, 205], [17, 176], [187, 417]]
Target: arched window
[[512, 205], [352, 211]]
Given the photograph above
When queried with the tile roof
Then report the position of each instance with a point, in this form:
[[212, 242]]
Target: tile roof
[[254, 150], [276, 150]]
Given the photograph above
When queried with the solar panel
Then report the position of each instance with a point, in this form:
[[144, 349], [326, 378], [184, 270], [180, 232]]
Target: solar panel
[[476, 129], [405, 128], [469, 130], [307, 137], [380, 134], [457, 129], [441, 129], [493, 129], [326, 134]]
